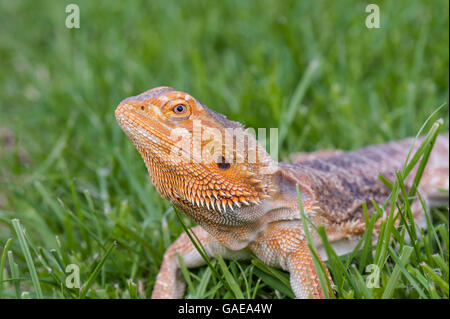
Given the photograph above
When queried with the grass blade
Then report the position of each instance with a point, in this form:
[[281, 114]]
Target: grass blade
[[2, 264], [438, 280], [288, 115], [186, 274], [234, 287], [274, 283], [389, 290], [14, 274], [321, 273], [84, 290], [26, 251]]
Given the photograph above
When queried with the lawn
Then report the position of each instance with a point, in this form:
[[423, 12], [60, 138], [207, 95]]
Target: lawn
[[72, 180]]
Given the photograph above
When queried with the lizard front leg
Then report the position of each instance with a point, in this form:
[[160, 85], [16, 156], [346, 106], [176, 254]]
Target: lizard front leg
[[303, 276], [283, 244], [168, 282]]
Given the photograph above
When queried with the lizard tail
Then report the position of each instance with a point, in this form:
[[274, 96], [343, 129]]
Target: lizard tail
[[435, 180]]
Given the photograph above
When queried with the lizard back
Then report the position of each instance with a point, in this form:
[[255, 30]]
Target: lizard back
[[341, 183]]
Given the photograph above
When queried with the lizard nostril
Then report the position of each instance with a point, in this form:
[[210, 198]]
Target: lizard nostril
[[222, 163], [142, 107]]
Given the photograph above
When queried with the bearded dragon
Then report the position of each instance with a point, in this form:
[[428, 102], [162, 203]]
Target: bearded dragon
[[244, 202]]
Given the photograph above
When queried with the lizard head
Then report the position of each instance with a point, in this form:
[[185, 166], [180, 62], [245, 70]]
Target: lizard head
[[195, 156]]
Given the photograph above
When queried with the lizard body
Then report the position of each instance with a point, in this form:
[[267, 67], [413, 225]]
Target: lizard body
[[244, 202]]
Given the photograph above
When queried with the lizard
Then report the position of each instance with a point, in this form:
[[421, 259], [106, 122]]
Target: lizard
[[244, 202]]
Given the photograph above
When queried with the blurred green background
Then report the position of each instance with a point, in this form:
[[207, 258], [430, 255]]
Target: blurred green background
[[67, 170]]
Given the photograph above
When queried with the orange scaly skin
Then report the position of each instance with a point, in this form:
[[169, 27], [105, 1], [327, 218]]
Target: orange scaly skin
[[246, 205]]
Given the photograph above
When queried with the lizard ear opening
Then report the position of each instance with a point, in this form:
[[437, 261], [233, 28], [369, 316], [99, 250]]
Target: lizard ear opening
[[222, 163]]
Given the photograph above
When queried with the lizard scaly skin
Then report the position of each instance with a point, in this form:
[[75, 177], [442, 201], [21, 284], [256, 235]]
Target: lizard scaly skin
[[244, 202]]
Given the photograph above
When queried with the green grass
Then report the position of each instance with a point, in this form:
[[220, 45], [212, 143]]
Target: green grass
[[80, 191]]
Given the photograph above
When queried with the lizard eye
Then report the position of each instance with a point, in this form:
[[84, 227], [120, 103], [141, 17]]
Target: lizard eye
[[179, 109], [176, 109]]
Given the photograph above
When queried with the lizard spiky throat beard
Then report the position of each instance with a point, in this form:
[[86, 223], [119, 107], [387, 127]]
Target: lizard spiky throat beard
[[156, 120]]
